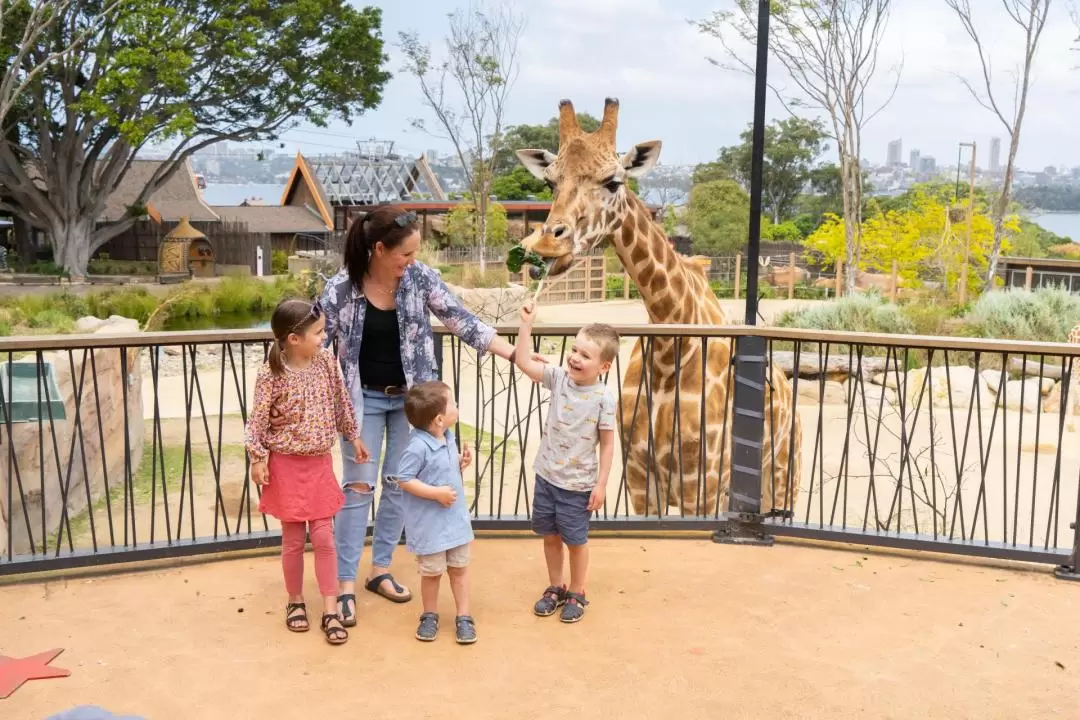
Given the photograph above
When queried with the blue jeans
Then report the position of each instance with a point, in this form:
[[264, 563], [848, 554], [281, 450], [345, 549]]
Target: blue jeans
[[384, 417]]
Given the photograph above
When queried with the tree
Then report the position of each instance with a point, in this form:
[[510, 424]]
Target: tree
[[541, 137], [718, 217], [1030, 17], [461, 225], [791, 147], [183, 71], [480, 67], [829, 49], [32, 20], [519, 184]]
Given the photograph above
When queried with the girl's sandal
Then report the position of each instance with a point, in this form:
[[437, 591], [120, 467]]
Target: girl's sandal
[[296, 618], [335, 634]]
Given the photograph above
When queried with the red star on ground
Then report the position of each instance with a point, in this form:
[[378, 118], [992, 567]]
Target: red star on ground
[[15, 671]]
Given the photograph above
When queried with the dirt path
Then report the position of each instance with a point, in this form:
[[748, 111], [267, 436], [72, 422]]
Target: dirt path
[[677, 628]]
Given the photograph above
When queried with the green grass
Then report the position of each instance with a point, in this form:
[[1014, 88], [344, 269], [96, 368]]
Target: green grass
[[56, 313], [143, 483]]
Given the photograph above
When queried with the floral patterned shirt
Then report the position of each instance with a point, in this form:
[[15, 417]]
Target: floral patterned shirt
[[420, 293], [315, 404]]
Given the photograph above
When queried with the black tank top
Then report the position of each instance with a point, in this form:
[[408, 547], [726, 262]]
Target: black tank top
[[380, 348]]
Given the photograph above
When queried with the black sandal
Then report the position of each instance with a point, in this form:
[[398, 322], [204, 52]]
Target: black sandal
[[374, 585], [348, 616], [334, 635], [300, 617]]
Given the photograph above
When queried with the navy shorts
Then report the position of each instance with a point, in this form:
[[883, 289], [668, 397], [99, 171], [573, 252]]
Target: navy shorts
[[560, 512]]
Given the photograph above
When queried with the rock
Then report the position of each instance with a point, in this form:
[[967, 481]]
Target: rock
[[492, 305], [1046, 384], [812, 365], [945, 389], [811, 392], [992, 379], [117, 325], [873, 394], [89, 324], [1052, 402], [1031, 392], [1029, 367]]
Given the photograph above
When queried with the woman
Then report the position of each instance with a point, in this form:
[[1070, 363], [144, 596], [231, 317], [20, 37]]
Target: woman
[[379, 309]]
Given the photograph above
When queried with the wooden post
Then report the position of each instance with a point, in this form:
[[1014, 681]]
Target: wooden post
[[625, 285], [1029, 276], [738, 273], [839, 276], [791, 277], [895, 280]]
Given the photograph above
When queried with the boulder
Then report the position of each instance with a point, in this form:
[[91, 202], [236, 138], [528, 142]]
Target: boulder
[[1022, 395]]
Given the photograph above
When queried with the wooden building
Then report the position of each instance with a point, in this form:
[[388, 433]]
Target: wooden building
[[1032, 273]]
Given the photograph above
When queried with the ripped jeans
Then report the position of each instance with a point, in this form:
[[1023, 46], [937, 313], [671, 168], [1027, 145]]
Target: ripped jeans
[[384, 419]]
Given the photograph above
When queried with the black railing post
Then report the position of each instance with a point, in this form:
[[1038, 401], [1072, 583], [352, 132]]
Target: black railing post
[[744, 522]]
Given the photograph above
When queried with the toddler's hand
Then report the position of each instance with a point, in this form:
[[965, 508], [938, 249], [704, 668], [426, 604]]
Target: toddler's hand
[[259, 474], [360, 451], [596, 498], [445, 496], [466, 456], [528, 313]]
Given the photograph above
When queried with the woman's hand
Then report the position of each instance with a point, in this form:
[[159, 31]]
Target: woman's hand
[[360, 451]]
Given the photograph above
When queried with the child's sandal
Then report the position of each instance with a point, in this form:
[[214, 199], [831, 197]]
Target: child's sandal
[[337, 634], [296, 618]]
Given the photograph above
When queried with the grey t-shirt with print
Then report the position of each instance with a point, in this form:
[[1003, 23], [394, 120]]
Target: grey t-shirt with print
[[567, 456]]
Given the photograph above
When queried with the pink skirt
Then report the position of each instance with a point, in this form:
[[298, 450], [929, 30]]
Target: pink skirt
[[301, 488]]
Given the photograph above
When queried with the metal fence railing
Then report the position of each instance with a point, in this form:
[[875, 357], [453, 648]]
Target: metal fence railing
[[129, 448]]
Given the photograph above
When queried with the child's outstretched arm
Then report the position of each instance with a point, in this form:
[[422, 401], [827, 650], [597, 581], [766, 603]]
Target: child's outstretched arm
[[406, 478], [523, 353], [344, 411], [258, 426]]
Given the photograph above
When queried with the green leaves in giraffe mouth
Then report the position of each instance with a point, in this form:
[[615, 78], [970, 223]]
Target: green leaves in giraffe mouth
[[518, 257]]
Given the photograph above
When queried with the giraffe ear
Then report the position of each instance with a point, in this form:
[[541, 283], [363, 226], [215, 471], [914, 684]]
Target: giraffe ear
[[641, 158], [536, 161]]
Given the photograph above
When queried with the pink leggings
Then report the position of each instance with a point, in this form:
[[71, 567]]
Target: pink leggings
[[292, 555]]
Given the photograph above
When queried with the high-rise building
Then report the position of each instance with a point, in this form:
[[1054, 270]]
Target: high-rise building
[[896, 151], [995, 154], [927, 164], [914, 161]]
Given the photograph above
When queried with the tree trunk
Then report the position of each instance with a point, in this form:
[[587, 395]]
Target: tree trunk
[[1001, 206], [71, 247], [852, 218], [481, 226], [24, 241]]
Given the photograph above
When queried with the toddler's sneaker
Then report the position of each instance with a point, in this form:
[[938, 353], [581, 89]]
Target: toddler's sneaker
[[552, 600], [466, 630], [574, 607], [429, 627]]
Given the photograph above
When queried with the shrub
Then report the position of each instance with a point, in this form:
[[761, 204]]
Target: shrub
[[856, 313], [1045, 314], [279, 262]]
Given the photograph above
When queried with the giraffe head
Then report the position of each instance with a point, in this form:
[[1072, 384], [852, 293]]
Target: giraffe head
[[588, 182]]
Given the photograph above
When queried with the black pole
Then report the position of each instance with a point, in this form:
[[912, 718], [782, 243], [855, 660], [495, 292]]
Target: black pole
[[745, 521], [757, 161]]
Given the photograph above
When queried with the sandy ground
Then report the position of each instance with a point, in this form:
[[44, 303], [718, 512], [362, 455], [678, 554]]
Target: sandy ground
[[676, 628]]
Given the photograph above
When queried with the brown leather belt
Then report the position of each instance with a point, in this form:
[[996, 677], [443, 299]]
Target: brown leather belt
[[390, 390]]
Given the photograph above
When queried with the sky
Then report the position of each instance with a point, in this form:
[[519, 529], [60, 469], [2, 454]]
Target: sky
[[647, 54]]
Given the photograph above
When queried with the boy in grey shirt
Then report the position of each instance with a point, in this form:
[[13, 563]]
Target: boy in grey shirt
[[570, 482]]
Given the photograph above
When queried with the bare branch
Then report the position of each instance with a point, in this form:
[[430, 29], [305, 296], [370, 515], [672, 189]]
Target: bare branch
[[829, 49], [1029, 16], [467, 91]]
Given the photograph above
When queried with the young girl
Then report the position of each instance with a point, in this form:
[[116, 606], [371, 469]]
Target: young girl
[[292, 463]]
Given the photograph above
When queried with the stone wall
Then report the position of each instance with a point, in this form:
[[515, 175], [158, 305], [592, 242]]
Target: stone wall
[[88, 472]]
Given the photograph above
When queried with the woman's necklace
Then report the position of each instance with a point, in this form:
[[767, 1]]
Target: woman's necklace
[[381, 291]]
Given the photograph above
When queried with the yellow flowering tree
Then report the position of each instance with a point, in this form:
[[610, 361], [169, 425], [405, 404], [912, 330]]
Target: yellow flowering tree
[[923, 235]]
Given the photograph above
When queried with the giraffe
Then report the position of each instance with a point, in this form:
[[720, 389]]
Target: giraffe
[[592, 205]]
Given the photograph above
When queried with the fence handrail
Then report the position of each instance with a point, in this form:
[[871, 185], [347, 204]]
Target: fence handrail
[[30, 343]]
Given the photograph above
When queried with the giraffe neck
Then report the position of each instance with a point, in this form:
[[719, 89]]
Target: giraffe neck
[[673, 291]]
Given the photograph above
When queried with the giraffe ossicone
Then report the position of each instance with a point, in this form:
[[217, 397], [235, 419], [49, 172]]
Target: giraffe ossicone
[[676, 410]]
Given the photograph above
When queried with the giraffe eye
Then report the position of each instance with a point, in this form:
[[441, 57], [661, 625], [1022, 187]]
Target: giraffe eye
[[612, 184]]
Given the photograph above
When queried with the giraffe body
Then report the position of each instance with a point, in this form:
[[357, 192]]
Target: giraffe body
[[672, 393]]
